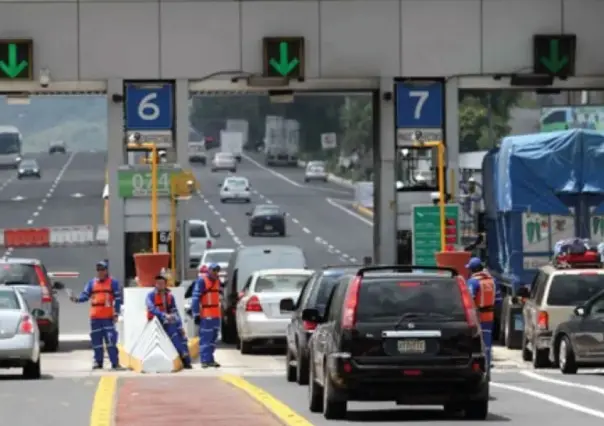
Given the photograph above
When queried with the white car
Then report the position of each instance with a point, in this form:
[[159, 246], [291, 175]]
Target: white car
[[315, 170], [235, 188], [201, 235], [219, 256], [197, 152], [224, 161], [258, 315]]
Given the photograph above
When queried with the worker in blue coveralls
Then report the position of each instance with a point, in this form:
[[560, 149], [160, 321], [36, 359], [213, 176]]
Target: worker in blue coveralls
[[482, 287], [205, 307], [161, 305], [105, 298]]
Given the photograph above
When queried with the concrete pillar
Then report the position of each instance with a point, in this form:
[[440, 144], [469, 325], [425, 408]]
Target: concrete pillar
[[452, 134], [116, 157], [384, 230]]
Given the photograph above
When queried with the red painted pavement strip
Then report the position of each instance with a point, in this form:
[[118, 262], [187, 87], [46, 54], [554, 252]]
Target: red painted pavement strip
[[187, 401]]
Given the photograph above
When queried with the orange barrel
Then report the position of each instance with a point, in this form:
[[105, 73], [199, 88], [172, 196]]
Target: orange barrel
[[148, 266], [454, 259]]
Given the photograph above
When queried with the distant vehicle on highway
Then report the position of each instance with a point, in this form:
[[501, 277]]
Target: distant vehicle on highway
[[57, 147], [315, 170], [235, 188], [267, 219], [390, 333], [224, 161], [242, 265], [19, 334], [197, 152], [10, 147], [29, 167], [30, 278], [259, 316], [201, 234], [220, 256]]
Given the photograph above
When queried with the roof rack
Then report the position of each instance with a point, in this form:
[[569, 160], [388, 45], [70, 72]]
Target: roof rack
[[406, 268]]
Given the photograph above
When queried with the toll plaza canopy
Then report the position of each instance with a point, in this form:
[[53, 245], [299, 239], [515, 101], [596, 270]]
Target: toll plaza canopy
[[535, 170]]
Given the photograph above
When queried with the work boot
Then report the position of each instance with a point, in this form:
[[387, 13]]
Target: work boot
[[118, 368], [214, 364], [97, 366], [205, 365], [187, 366]]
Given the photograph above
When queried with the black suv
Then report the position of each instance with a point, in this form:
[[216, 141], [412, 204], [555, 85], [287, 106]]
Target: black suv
[[314, 294], [393, 333]]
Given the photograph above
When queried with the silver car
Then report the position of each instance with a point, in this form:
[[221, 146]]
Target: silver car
[[224, 161], [315, 170], [19, 334], [259, 317]]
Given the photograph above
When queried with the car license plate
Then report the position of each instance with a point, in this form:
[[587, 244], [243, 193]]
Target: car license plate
[[268, 227], [411, 346], [518, 322]]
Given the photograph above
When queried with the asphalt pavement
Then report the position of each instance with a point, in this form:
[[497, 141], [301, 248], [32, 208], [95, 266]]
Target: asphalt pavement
[[317, 221]]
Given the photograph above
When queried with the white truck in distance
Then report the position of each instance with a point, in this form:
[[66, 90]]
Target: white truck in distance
[[241, 126], [232, 142], [281, 141]]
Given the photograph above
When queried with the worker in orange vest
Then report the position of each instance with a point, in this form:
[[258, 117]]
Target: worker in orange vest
[[482, 287], [161, 305], [105, 298], [205, 306]]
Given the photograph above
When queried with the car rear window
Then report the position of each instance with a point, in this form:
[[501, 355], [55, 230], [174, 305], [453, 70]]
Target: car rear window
[[8, 300], [391, 298], [197, 231], [279, 283], [217, 257], [15, 274], [236, 183], [574, 289]]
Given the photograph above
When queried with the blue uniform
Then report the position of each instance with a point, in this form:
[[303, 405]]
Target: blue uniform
[[173, 329], [102, 327], [475, 286], [209, 318]]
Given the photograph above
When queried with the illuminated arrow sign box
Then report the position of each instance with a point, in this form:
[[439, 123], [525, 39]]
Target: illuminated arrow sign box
[[554, 54], [283, 57], [16, 59]]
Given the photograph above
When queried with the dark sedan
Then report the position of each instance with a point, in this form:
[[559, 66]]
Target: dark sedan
[[267, 219], [28, 168]]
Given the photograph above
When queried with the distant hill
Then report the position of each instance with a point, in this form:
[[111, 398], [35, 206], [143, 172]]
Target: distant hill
[[80, 121]]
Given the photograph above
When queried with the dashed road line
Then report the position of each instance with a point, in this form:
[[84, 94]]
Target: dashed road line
[[227, 228], [6, 183]]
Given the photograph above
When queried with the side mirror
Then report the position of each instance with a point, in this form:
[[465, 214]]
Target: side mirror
[[248, 213], [58, 285], [37, 313], [514, 300], [579, 311], [287, 305], [311, 315]]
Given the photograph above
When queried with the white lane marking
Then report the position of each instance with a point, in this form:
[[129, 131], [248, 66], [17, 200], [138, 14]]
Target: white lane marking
[[541, 378], [77, 195], [227, 228], [294, 220], [8, 252], [272, 172], [306, 230], [351, 213], [18, 198], [7, 182], [551, 399], [30, 221]]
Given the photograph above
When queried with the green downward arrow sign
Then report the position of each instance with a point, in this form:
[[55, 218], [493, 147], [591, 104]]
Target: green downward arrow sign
[[11, 68], [554, 62], [284, 66]]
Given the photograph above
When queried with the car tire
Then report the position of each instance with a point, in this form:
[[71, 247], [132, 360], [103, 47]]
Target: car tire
[[302, 369], [213, 170], [19, 177], [315, 393], [233, 170], [32, 370], [306, 180], [283, 233], [247, 200], [51, 341], [569, 365], [290, 371], [223, 200], [540, 357], [325, 180], [526, 354], [477, 410], [246, 348], [334, 405]]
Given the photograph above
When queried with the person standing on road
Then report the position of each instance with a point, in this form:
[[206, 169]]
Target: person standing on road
[[205, 306], [161, 305], [105, 298], [482, 287]]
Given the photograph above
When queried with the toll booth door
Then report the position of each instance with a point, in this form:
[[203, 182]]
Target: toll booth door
[[137, 242]]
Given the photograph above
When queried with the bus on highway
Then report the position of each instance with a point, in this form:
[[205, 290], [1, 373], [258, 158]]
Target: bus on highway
[[10, 146]]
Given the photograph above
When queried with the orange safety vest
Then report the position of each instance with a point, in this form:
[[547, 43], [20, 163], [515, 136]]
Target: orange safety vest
[[485, 299], [101, 300], [210, 299], [159, 303]]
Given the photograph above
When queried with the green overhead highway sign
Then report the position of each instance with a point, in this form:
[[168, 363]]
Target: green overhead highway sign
[[283, 57], [554, 54], [16, 59], [135, 183]]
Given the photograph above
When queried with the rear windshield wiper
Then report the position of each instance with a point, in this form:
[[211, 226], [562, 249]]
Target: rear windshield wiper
[[411, 315]]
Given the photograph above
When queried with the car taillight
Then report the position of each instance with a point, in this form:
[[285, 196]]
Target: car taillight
[[46, 294], [208, 244], [349, 315], [468, 304], [309, 325], [543, 320], [253, 305], [26, 326]]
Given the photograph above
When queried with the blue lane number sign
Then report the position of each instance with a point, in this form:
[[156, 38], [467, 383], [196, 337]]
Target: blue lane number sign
[[420, 104], [149, 106]]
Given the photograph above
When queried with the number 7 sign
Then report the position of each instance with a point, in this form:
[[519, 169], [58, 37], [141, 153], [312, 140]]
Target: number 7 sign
[[419, 103]]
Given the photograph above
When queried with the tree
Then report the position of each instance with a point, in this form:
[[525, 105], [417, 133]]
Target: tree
[[356, 118]]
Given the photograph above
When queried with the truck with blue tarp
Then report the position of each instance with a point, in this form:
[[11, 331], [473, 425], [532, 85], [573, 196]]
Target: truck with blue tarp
[[539, 189]]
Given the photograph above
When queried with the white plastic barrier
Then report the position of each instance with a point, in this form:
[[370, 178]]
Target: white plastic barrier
[[102, 234], [1, 237], [363, 194], [72, 235], [143, 354]]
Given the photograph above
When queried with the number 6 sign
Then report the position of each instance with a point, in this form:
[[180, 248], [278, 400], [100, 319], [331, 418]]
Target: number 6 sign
[[149, 106]]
